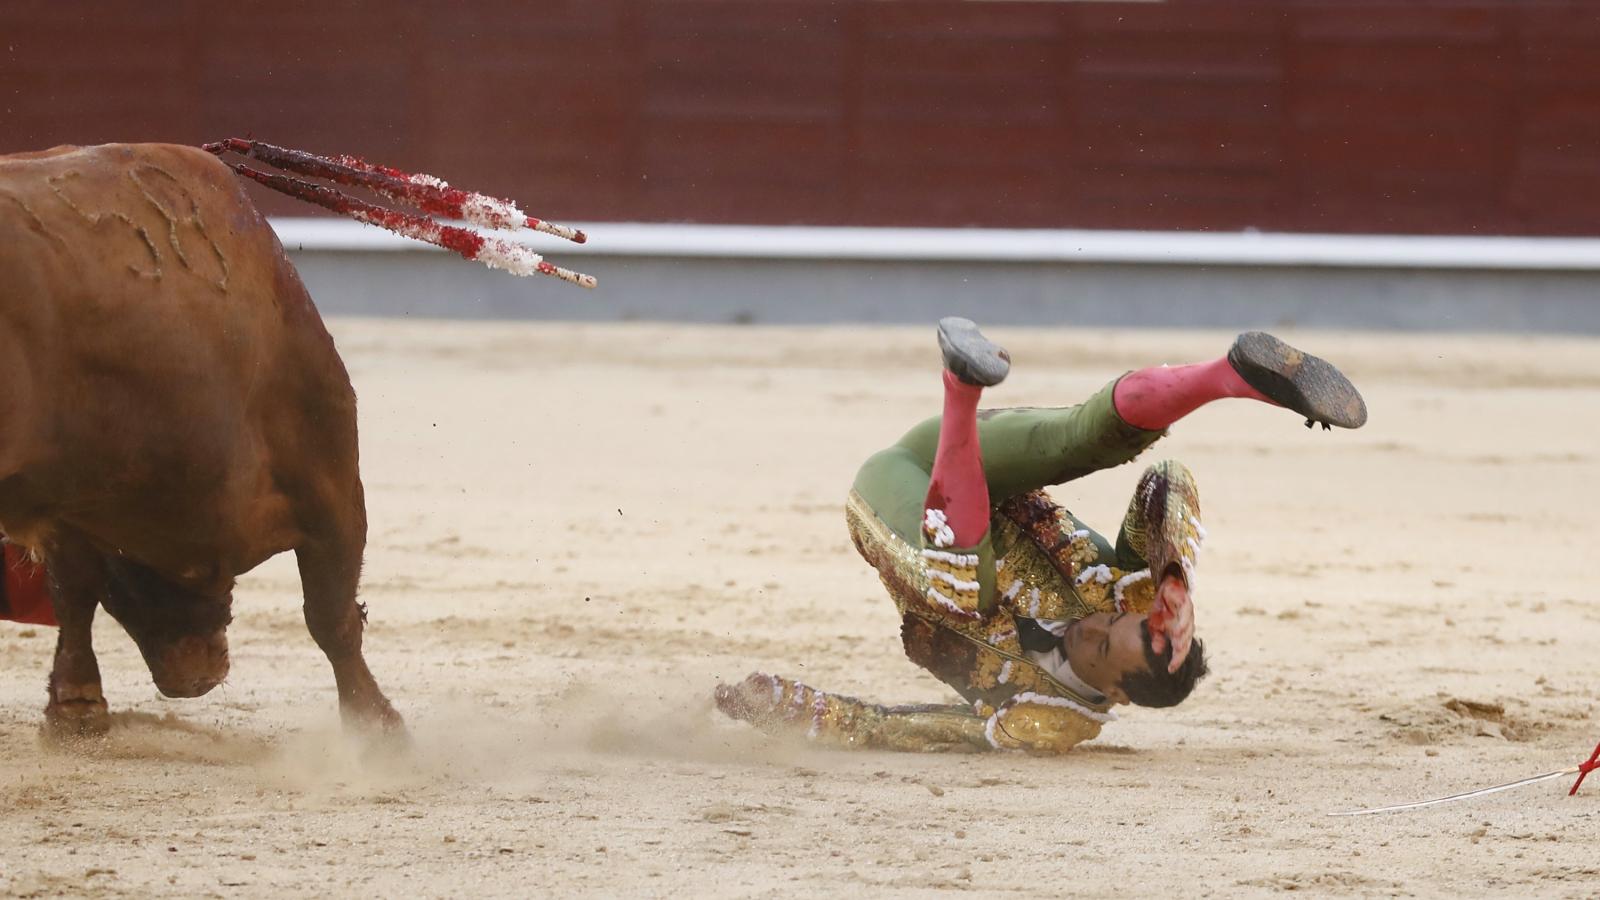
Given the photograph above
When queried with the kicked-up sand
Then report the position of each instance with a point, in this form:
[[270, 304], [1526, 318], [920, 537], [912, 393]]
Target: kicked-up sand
[[578, 530]]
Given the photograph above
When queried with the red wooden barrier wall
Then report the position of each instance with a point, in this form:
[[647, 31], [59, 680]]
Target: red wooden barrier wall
[[1427, 116]]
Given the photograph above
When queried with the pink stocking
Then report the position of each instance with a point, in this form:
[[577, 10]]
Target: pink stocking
[[1154, 398], [958, 488]]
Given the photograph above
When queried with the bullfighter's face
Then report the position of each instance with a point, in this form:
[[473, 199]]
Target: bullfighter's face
[[1103, 648], [182, 634]]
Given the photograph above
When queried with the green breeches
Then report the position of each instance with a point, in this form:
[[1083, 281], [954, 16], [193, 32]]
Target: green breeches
[[1024, 449]]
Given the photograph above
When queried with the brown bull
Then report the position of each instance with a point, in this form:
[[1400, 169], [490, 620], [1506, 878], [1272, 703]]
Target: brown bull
[[174, 413]]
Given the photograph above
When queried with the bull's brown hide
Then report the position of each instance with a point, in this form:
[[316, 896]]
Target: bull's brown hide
[[172, 413]]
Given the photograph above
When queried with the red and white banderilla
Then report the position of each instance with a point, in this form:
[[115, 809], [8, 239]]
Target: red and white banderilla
[[432, 195]]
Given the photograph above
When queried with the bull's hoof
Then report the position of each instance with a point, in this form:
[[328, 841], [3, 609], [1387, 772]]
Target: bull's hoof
[[70, 721], [388, 747], [379, 727]]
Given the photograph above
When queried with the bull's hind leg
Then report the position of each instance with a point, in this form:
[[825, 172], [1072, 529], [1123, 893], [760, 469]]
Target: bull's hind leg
[[330, 570], [77, 583]]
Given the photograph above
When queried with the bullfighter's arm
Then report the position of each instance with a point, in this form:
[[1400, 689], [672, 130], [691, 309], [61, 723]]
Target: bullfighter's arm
[[1162, 533], [777, 705]]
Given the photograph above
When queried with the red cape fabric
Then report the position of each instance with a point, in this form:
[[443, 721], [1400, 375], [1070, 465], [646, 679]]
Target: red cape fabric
[[26, 597]]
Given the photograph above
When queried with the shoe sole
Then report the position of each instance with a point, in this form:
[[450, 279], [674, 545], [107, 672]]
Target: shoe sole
[[972, 357], [1309, 385]]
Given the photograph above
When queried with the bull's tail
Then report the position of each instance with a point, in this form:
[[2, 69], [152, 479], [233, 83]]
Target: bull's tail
[[425, 192]]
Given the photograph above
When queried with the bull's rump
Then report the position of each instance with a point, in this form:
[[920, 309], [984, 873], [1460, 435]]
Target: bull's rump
[[161, 359]]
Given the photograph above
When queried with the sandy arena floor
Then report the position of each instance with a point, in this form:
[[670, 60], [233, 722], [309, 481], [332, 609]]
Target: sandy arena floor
[[578, 530]]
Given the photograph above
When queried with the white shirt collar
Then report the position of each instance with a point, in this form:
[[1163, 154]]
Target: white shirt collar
[[1056, 663]]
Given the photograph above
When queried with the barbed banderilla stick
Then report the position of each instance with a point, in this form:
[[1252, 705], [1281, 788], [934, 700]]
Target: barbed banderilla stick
[[432, 195], [425, 192], [1582, 770]]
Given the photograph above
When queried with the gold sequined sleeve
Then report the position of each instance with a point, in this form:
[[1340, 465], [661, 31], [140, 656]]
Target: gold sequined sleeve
[[1028, 722], [778, 705], [1162, 529]]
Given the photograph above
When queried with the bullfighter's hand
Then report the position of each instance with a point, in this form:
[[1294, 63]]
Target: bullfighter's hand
[[1172, 620]]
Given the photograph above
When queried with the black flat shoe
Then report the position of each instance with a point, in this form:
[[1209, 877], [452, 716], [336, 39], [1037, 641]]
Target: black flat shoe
[[1309, 385]]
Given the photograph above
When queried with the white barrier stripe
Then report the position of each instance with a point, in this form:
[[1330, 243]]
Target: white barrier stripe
[[1015, 245]]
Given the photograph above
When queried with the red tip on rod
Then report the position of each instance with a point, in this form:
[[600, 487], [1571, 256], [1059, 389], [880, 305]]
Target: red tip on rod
[[577, 278], [237, 145], [561, 231], [1584, 769]]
